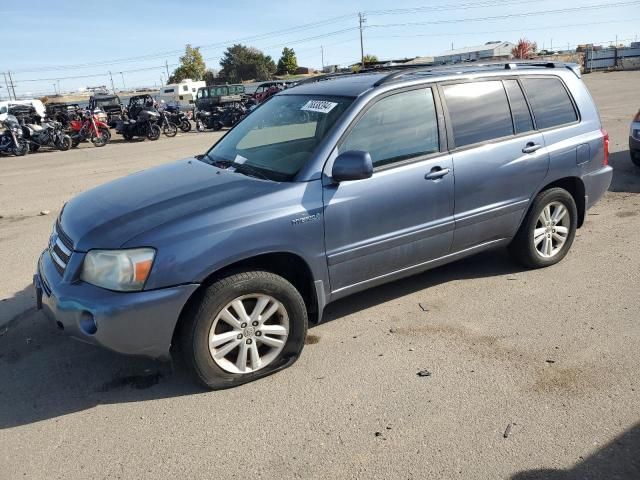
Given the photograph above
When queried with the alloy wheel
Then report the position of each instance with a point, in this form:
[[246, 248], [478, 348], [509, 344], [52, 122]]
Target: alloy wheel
[[552, 229], [248, 333]]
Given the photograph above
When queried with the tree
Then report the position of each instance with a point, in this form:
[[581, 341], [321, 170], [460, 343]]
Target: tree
[[368, 58], [240, 62], [288, 63], [210, 76], [525, 49], [191, 66]]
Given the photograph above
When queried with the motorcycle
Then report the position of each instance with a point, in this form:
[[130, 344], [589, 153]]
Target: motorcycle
[[89, 127], [144, 125], [11, 140], [220, 117], [179, 118], [168, 128], [49, 134]]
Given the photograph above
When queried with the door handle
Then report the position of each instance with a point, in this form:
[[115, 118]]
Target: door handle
[[436, 173], [531, 147]]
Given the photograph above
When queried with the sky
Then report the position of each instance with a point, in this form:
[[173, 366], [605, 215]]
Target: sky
[[59, 46]]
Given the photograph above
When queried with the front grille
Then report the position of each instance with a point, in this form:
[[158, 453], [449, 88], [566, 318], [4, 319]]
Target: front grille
[[60, 248]]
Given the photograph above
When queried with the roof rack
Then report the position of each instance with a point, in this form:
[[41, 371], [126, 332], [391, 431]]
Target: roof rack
[[400, 71]]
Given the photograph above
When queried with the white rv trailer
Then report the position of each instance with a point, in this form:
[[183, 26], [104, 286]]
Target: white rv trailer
[[182, 94]]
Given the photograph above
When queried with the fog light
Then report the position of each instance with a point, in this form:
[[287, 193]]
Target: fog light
[[88, 323]]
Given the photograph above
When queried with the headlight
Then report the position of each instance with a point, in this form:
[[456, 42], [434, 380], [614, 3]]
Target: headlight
[[123, 270]]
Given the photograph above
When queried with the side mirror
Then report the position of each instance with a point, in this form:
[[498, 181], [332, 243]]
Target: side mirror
[[352, 165]]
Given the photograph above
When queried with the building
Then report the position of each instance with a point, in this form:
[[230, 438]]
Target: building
[[488, 51]]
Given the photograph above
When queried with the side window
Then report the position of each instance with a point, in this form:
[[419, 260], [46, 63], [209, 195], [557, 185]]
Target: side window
[[398, 127], [550, 102], [479, 111], [185, 88], [519, 109]]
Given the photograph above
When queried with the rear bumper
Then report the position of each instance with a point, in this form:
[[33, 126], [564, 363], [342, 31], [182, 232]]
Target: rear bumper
[[136, 323], [596, 184]]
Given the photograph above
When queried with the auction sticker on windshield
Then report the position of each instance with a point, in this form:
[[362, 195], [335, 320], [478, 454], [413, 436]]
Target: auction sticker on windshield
[[321, 106]]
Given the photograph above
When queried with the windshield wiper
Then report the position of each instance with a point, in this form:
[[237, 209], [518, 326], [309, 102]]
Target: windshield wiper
[[245, 169]]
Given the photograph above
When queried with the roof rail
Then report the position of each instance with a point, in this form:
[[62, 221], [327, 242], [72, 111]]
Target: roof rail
[[400, 71]]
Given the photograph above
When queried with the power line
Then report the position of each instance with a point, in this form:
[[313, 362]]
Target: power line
[[506, 16], [489, 32], [307, 26], [152, 56], [441, 8]]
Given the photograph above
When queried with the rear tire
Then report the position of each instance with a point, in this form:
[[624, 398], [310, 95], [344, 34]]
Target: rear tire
[[242, 353], [154, 132], [547, 231]]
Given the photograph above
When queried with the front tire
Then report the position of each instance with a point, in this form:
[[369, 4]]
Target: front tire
[[102, 138], [185, 125], [65, 143], [170, 130], [548, 230], [635, 158], [21, 149], [245, 326]]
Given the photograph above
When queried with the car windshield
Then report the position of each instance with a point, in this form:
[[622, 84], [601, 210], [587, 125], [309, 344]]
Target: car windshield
[[277, 139]]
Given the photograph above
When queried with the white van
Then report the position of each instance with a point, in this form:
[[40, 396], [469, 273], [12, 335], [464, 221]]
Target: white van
[[182, 94], [35, 103]]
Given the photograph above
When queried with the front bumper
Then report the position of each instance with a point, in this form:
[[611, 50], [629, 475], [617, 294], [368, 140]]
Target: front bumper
[[136, 323], [634, 145]]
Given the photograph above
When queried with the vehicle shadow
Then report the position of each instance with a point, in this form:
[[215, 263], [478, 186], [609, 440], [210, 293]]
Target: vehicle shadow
[[619, 459], [626, 176], [486, 264], [45, 374]]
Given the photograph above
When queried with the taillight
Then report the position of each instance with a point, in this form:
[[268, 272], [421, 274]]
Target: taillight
[[637, 117], [605, 144]]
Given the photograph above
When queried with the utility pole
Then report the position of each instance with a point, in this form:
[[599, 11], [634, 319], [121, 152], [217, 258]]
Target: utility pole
[[7, 85], [362, 20], [123, 85], [166, 65], [112, 85], [551, 47], [54, 88], [13, 87], [322, 55]]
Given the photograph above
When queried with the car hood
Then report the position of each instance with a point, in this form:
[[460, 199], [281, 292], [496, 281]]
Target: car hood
[[111, 214]]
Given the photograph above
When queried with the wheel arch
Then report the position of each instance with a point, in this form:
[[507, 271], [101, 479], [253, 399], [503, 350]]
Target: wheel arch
[[288, 265], [575, 187]]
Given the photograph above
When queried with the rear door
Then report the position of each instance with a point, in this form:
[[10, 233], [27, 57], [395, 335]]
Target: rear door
[[498, 156], [379, 228]]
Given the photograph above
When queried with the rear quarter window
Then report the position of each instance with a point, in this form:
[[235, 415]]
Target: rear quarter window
[[550, 102]]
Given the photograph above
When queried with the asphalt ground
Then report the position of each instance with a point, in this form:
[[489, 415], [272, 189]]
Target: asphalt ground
[[533, 374]]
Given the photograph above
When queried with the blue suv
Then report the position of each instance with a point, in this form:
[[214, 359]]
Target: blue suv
[[327, 189]]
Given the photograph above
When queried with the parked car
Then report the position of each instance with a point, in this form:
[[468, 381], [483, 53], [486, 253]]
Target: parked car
[[226, 257], [207, 98], [634, 139], [109, 105]]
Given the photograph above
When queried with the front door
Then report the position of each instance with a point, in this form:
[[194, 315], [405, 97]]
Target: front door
[[401, 217]]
